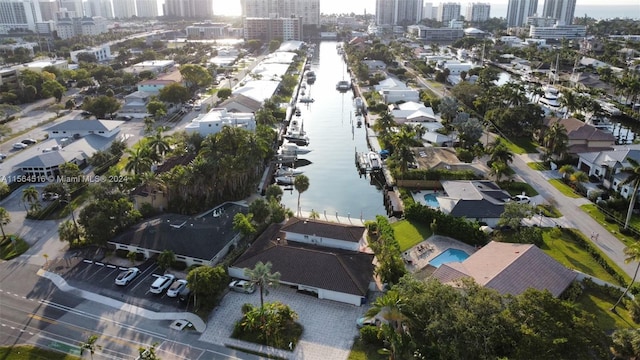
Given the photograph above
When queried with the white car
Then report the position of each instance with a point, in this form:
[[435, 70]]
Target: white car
[[176, 288], [126, 276], [521, 199], [242, 286], [162, 283], [20, 146], [50, 196]]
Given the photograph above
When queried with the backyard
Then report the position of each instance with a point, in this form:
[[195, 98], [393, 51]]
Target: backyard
[[596, 302], [409, 234]]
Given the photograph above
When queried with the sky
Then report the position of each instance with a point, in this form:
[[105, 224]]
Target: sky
[[223, 7]]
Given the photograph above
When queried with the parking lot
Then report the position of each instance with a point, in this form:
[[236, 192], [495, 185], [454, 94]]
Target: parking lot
[[99, 277]]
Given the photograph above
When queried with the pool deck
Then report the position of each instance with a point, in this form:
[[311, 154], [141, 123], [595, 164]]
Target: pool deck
[[417, 258], [418, 196]]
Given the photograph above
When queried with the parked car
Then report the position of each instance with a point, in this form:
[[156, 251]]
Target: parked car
[[3, 156], [184, 294], [124, 117], [176, 287], [521, 199], [126, 276], [19, 146], [29, 141], [242, 286], [162, 283], [50, 196], [367, 321]]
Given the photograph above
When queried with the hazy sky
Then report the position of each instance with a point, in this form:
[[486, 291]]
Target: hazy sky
[[232, 7]]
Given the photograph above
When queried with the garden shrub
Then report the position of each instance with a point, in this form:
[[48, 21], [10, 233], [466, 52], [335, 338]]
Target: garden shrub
[[458, 228], [369, 335], [573, 292]]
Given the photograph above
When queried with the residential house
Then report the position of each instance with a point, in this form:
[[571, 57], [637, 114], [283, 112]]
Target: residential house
[[241, 103], [258, 90], [215, 120], [509, 269], [478, 200], [201, 240], [582, 137], [303, 252], [608, 166], [153, 86], [153, 196], [156, 66], [393, 91], [135, 104], [412, 111], [439, 158], [374, 65]]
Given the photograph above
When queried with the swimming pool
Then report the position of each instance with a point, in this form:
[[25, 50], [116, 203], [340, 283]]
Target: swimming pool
[[431, 201], [448, 256]]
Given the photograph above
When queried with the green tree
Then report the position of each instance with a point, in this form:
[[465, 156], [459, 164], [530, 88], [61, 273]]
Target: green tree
[[626, 344], [207, 282], [101, 106], [106, 217], [166, 259], [5, 218], [156, 108], [195, 75], [90, 345], [556, 140], [69, 232], [159, 144], [514, 213], [224, 93], [7, 111], [262, 277], [174, 93], [242, 223], [566, 171], [633, 179], [52, 88], [259, 208], [274, 192], [148, 353], [30, 195], [56, 108], [140, 160], [301, 184], [632, 253], [395, 329]]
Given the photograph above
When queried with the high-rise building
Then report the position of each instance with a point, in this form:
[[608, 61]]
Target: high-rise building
[[100, 8], [448, 11], [562, 10], [199, 9], [398, 12], [124, 9], [478, 12], [147, 8], [73, 5], [427, 10], [19, 14], [519, 10], [81, 26], [48, 9], [267, 29], [308, 10]]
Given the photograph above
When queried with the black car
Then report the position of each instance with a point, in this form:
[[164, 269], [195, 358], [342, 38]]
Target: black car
[[86, 113], [29, 141]]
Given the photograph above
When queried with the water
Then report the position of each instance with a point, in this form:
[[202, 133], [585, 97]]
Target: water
[[432, 201], [334, 183], [449, 256]]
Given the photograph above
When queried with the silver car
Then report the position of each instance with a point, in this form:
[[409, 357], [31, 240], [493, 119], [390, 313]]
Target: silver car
[[242, 286], [162, 283], [176, 288], [126, 276]]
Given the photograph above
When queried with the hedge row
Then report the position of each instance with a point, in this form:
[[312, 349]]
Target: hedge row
[[438, 174], [458, 228], [595, 254]]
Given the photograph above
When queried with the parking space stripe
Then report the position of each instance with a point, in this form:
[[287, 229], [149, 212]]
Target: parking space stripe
[[111, 266], [88, 261], [99, 264], [123, 268]]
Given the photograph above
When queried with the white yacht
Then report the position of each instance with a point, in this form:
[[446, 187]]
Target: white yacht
[[375, 161], [288, 171], [295, 132], [550, 99], [289, 148]]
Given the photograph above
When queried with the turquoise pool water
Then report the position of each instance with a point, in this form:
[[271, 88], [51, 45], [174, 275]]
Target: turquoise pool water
[[431, 201], [448, 256]]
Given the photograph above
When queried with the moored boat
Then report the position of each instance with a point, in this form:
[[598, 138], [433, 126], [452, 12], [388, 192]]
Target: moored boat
[[285, 180], [343, 85], [288, 171], [376, 162], [292, 149]]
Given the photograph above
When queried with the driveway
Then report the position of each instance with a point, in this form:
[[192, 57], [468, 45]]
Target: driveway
[[570, 207], [329, 327]]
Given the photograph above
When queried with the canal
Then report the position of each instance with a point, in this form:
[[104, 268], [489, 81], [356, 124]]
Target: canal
[[335, 186]]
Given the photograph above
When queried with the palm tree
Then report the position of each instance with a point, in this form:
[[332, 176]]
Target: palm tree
[[501, 153], [395, 330], [402, 153], [633, 254], [30, 195], [90, 345], [498, 169], [153, 183], [140, 160], [159, 143], [578, 177], [262, 277], [625, 344], [634, 180], [5, 218], [301, 183], [556, 139], [566, 170]]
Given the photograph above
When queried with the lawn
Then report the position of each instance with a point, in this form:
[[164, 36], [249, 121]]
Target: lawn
[[409, 234], [521, 146], [538, 166], [613, 228], [517, 188], [27, 352], [597, 303], [569, 254], [361, 351], [565, 189], [7, 249]]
